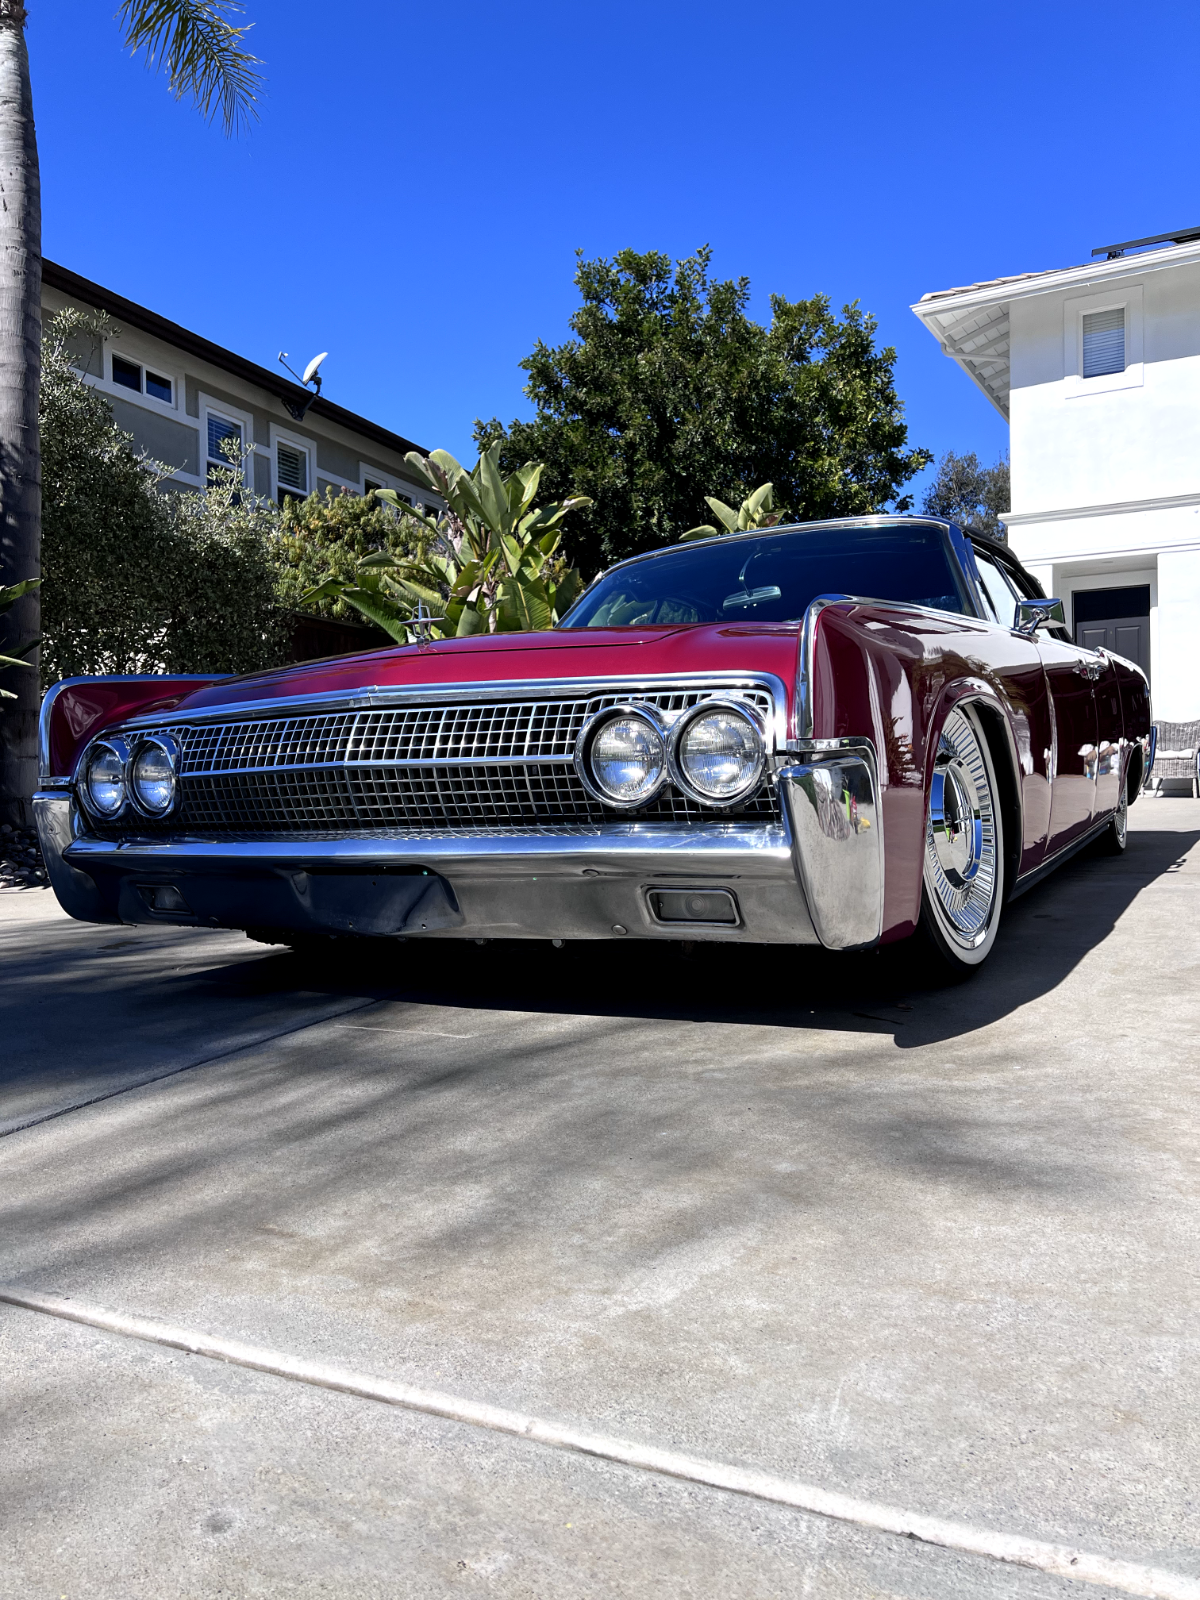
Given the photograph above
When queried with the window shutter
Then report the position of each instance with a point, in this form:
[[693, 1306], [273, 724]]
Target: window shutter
[[1103, 342], [291, 465]]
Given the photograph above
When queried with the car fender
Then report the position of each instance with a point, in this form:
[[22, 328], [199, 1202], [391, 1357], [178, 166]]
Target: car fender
[[75, 709]]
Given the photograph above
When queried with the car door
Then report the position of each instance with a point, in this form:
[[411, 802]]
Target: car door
[[1071, 676], [1028, 698], [1109, 737], [1072, 761]]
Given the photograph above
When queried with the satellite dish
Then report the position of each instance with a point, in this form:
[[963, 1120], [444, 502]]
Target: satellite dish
[[310, 370]]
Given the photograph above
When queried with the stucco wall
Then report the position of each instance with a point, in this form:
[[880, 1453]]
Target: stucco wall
[[1177, 663], [171, 442], [1098, 447]]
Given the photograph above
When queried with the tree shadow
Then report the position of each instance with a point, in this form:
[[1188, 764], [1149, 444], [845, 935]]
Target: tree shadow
[[898, 990], [620, 1151]]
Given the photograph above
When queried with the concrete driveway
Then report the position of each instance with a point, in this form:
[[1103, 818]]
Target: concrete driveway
[[931, 1246]]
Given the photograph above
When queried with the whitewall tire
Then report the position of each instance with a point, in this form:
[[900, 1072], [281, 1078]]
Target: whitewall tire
[[1116, 836], [963, 886]]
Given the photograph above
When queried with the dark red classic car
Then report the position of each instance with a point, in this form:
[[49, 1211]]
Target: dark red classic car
[[835, 733]]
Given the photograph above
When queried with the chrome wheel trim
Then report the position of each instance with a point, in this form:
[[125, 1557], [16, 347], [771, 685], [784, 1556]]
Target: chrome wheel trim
[[961, 837], [1120, 821]]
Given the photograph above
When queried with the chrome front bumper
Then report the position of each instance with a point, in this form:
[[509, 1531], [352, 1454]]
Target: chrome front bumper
[[816, 877]]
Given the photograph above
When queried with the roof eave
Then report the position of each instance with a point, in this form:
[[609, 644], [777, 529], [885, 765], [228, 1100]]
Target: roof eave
[[1000, 292], [77, 287]]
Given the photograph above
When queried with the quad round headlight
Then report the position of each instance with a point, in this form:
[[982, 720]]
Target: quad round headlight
[[104, 779], [622, 756], [718, 752], [152, 776]]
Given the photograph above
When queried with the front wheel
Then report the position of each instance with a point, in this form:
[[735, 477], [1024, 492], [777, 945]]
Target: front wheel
[[964, 847]]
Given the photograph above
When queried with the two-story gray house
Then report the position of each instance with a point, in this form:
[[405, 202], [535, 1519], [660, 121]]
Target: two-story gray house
[[181, 397]]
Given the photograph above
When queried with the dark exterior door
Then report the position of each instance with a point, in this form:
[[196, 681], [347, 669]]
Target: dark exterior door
[[1116, 620], [1071, 676]]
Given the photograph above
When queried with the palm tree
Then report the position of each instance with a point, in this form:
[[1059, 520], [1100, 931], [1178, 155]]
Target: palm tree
[[204, 53]]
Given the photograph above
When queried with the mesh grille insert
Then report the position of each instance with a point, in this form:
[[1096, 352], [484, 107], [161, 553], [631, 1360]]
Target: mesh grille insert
[[426, 767]]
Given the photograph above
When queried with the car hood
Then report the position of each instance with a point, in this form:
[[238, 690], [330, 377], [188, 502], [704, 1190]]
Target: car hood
[[524, 657]]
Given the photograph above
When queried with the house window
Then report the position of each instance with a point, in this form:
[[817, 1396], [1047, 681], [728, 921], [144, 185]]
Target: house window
[[141, 380], [291, 471], [1103, 342], [126, 374], [220, 432]]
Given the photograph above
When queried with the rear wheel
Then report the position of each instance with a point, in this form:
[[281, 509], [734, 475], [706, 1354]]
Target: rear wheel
[[1116, 836], [964, 847]]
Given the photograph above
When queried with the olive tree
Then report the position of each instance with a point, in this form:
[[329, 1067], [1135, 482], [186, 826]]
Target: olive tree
[[139, 578]]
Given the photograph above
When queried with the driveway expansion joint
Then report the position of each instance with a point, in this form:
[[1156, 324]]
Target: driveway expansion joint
[[1064, 1561]]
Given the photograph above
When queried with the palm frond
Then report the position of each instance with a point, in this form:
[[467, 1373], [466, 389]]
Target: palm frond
[[203, 52]]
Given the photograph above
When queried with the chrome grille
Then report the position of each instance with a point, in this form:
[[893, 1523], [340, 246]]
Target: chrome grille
[[437, 766]]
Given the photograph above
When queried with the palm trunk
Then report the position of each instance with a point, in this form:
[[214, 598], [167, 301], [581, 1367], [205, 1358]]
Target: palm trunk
[[20, 375]]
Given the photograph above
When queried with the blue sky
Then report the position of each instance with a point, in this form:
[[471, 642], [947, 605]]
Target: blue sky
[[413, 194]]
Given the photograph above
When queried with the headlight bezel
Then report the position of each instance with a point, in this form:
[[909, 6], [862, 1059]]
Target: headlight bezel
[[679, 775], [595, 725], [117, 747], [169, 748]]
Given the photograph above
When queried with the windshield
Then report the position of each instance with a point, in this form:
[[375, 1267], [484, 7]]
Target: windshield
[[773, 577]]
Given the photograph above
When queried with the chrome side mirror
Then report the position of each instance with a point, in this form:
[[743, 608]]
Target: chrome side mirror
[[1034, 614]]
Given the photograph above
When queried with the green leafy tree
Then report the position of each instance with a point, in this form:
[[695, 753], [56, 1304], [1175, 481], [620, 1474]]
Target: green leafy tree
[[203, 50], [490, 563], [669, 388], [137, 580], [757, 510], [220, 580], [105, 526], [974, 497], [328, 534]]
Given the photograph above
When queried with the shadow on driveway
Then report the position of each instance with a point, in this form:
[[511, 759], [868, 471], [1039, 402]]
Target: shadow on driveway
[[897, 990]]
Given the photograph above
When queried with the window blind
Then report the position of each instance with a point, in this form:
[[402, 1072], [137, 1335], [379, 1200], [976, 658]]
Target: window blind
[[218, 431], [1103, 342], [291, 465]]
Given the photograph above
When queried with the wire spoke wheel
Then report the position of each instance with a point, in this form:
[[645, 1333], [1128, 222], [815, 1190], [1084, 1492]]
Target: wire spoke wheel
[[1116, 836], [963, 845]]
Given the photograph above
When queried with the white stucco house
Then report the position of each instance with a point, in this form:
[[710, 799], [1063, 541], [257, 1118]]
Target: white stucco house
[[1097, 370]]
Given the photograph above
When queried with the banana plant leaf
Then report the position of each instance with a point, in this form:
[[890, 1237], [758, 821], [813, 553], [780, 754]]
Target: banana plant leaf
[[524, 606], [724, 513], [11, 593], [383, 612]]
